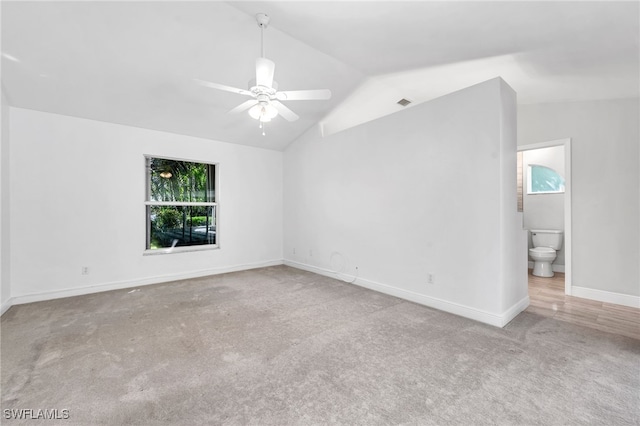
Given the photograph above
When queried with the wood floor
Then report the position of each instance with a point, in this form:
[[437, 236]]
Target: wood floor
[[547, 297]]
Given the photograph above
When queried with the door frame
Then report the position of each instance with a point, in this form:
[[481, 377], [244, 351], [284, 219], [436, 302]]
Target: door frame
[[568, 234]]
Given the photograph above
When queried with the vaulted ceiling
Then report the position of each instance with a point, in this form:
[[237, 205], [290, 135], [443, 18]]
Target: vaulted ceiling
[[134, 63]]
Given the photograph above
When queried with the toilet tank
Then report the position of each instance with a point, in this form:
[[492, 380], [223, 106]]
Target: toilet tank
[[547, 238]]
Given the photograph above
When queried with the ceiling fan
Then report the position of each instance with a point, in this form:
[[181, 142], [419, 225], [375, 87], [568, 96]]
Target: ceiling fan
[[265, 103]]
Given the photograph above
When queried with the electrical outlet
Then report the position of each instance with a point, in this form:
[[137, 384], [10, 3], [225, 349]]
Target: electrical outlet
[[294, 250], [431, 279], [310, 253], [85, 270]]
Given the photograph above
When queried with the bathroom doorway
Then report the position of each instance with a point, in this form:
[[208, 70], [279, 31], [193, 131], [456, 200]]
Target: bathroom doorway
[[565, 144]]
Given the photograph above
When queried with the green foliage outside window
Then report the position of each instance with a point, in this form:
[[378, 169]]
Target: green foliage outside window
[[182, 181]]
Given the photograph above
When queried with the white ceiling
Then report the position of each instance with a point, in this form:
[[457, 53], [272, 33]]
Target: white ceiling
[[134, 62]]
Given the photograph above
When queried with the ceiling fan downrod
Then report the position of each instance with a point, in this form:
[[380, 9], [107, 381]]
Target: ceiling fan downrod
[[263, 21]]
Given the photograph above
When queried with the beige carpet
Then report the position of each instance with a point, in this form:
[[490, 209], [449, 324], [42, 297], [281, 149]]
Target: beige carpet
[[280, 346]]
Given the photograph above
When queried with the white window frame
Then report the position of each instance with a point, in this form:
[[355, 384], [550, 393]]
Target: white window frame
[[148, 202]]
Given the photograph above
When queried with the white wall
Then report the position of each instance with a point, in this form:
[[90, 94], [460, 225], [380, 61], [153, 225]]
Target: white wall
[[5, 267], [77, 193], [429, 190], [605, 180], [544, 211], [514, 284]]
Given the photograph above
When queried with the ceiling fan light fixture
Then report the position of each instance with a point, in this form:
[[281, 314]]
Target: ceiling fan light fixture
[[263, 112]]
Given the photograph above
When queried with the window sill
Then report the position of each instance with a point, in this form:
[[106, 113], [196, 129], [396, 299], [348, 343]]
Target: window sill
[[545, 192], [173, 250]]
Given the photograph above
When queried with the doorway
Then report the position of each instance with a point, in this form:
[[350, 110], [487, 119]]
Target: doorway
[[566, 144]]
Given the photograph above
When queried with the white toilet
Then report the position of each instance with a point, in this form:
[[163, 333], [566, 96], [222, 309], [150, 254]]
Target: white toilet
[[545, 243]]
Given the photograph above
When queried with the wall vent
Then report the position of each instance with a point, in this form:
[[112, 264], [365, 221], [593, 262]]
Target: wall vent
[[404, 102]]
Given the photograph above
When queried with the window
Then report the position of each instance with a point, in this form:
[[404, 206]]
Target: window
[[543, 180], [181, 208]]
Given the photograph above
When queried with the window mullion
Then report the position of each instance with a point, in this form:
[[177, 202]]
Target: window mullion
[[179, 203]]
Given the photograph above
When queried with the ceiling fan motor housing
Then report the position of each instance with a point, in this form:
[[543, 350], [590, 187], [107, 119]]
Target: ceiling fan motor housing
[[253, 87], [263, 98]]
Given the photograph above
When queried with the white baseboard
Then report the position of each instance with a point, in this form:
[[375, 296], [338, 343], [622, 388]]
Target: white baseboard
[[554, 267], [432, 302], [6, 305], [513, 311], [58, 294], [606, 296]]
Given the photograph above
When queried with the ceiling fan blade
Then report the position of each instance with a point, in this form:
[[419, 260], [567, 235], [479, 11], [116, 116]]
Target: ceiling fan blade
[[303, 95], [244, 106], [223, 87], [284, 111], [264, 72]]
